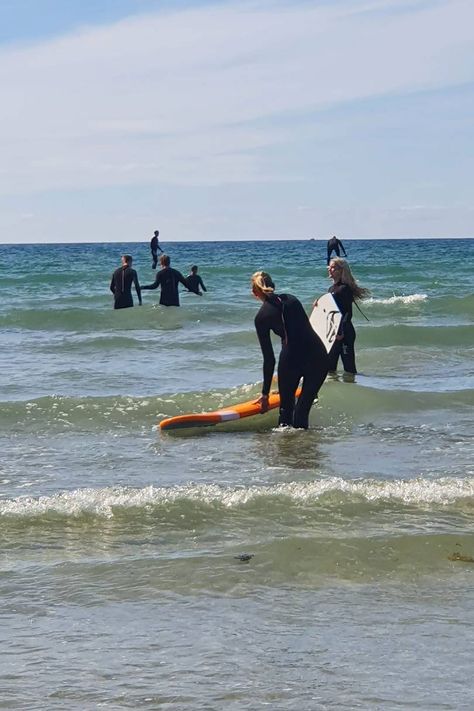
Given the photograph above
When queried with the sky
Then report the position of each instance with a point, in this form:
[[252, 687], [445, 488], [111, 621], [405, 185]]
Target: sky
[[260, 119]]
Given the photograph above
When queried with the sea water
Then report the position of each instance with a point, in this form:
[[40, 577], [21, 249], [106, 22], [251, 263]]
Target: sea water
[[122, 583]]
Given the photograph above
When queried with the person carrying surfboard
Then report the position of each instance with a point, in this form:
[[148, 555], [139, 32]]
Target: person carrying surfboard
[[302, 354], [345, 291]]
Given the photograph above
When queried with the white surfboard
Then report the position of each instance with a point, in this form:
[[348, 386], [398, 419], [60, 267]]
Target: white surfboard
[[325, 320]]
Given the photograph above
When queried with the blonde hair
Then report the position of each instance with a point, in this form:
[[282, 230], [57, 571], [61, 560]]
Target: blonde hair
[[263, 283], [358, 292]]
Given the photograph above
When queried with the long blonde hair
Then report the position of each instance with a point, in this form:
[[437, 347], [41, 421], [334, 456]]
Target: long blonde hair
[[262, 283], [358, 292]]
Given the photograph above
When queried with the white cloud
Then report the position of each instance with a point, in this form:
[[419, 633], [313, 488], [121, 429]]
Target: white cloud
[[193, 97]]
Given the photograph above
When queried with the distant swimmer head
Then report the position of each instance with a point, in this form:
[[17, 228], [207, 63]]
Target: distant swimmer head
[[165, 260], [127, 259], [262, 284], [156, 233], [194, 269]]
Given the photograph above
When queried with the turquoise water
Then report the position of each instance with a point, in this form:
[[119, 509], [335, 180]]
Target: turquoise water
[[121, 585]]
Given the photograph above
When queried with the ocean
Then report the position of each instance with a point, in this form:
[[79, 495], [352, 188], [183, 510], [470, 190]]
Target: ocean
[[122, 584]]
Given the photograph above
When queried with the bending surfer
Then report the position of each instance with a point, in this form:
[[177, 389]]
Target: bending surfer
[[334, 245], [302, 354], [121, 284]]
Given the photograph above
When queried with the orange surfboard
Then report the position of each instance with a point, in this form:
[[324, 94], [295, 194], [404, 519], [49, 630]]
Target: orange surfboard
[[225, 414]]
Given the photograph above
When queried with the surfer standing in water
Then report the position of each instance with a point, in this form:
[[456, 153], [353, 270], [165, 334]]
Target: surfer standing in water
[[154, 247], [345, 291], [335, 245], [194, 281], [121, 284], [168, 279], [302, 354]]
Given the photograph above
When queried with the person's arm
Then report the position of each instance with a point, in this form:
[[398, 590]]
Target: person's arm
[[112, 284], [182, 279], [155, 284], [137, 287], [263, 334], [343, 248], [202, 284]]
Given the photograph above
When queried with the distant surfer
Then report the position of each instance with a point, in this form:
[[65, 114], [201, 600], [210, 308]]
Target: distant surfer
[[345, 291], [195, 282], [335, 245], [168, 279], [121, 284], [154, 247], [302, 354]]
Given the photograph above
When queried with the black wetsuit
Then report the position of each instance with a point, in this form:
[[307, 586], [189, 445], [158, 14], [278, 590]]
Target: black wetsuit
[[333, 246], [302, 355], [154, 246], [121, 287], [194, 281], [168, 279], [344, 347]]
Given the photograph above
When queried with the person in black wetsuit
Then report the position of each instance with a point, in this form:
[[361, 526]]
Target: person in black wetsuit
[[168, 279], [121, 284], [302, 355], [154, 247], [345, 291], [334, 245], [194, 281]]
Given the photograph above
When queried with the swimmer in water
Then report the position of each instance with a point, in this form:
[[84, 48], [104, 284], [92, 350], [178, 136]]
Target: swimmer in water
[[167, 279], [121, 284], [194, 281]]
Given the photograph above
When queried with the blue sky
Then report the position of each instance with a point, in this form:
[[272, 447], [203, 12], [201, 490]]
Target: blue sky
[[236, 120]]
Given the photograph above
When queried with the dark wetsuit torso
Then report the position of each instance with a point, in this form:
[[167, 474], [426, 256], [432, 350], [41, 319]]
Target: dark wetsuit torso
[[168, 279], [194, 281], [344, 347], [154, 251], [333, 246], [302, 355], [121, 287]]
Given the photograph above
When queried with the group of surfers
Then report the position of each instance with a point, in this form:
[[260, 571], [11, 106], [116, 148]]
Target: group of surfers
[[303, 356]]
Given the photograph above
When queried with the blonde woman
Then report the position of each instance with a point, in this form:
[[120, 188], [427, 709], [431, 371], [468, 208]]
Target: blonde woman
[[302, 355], [345, 291]]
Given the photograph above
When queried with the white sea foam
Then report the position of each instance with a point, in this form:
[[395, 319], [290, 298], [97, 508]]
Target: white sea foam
[[107, 501], [408, 299]]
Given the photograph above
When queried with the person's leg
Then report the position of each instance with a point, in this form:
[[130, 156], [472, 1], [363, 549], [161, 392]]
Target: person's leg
[[155, 260], [348, 350], [312, 381], [333, 356], [288, 379]]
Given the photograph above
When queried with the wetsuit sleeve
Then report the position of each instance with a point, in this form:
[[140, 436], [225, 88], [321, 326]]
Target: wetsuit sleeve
[[202, 284], [263, 333], [137, 287], [182, 279], [155, 284], [112, 284], [343, 248]]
